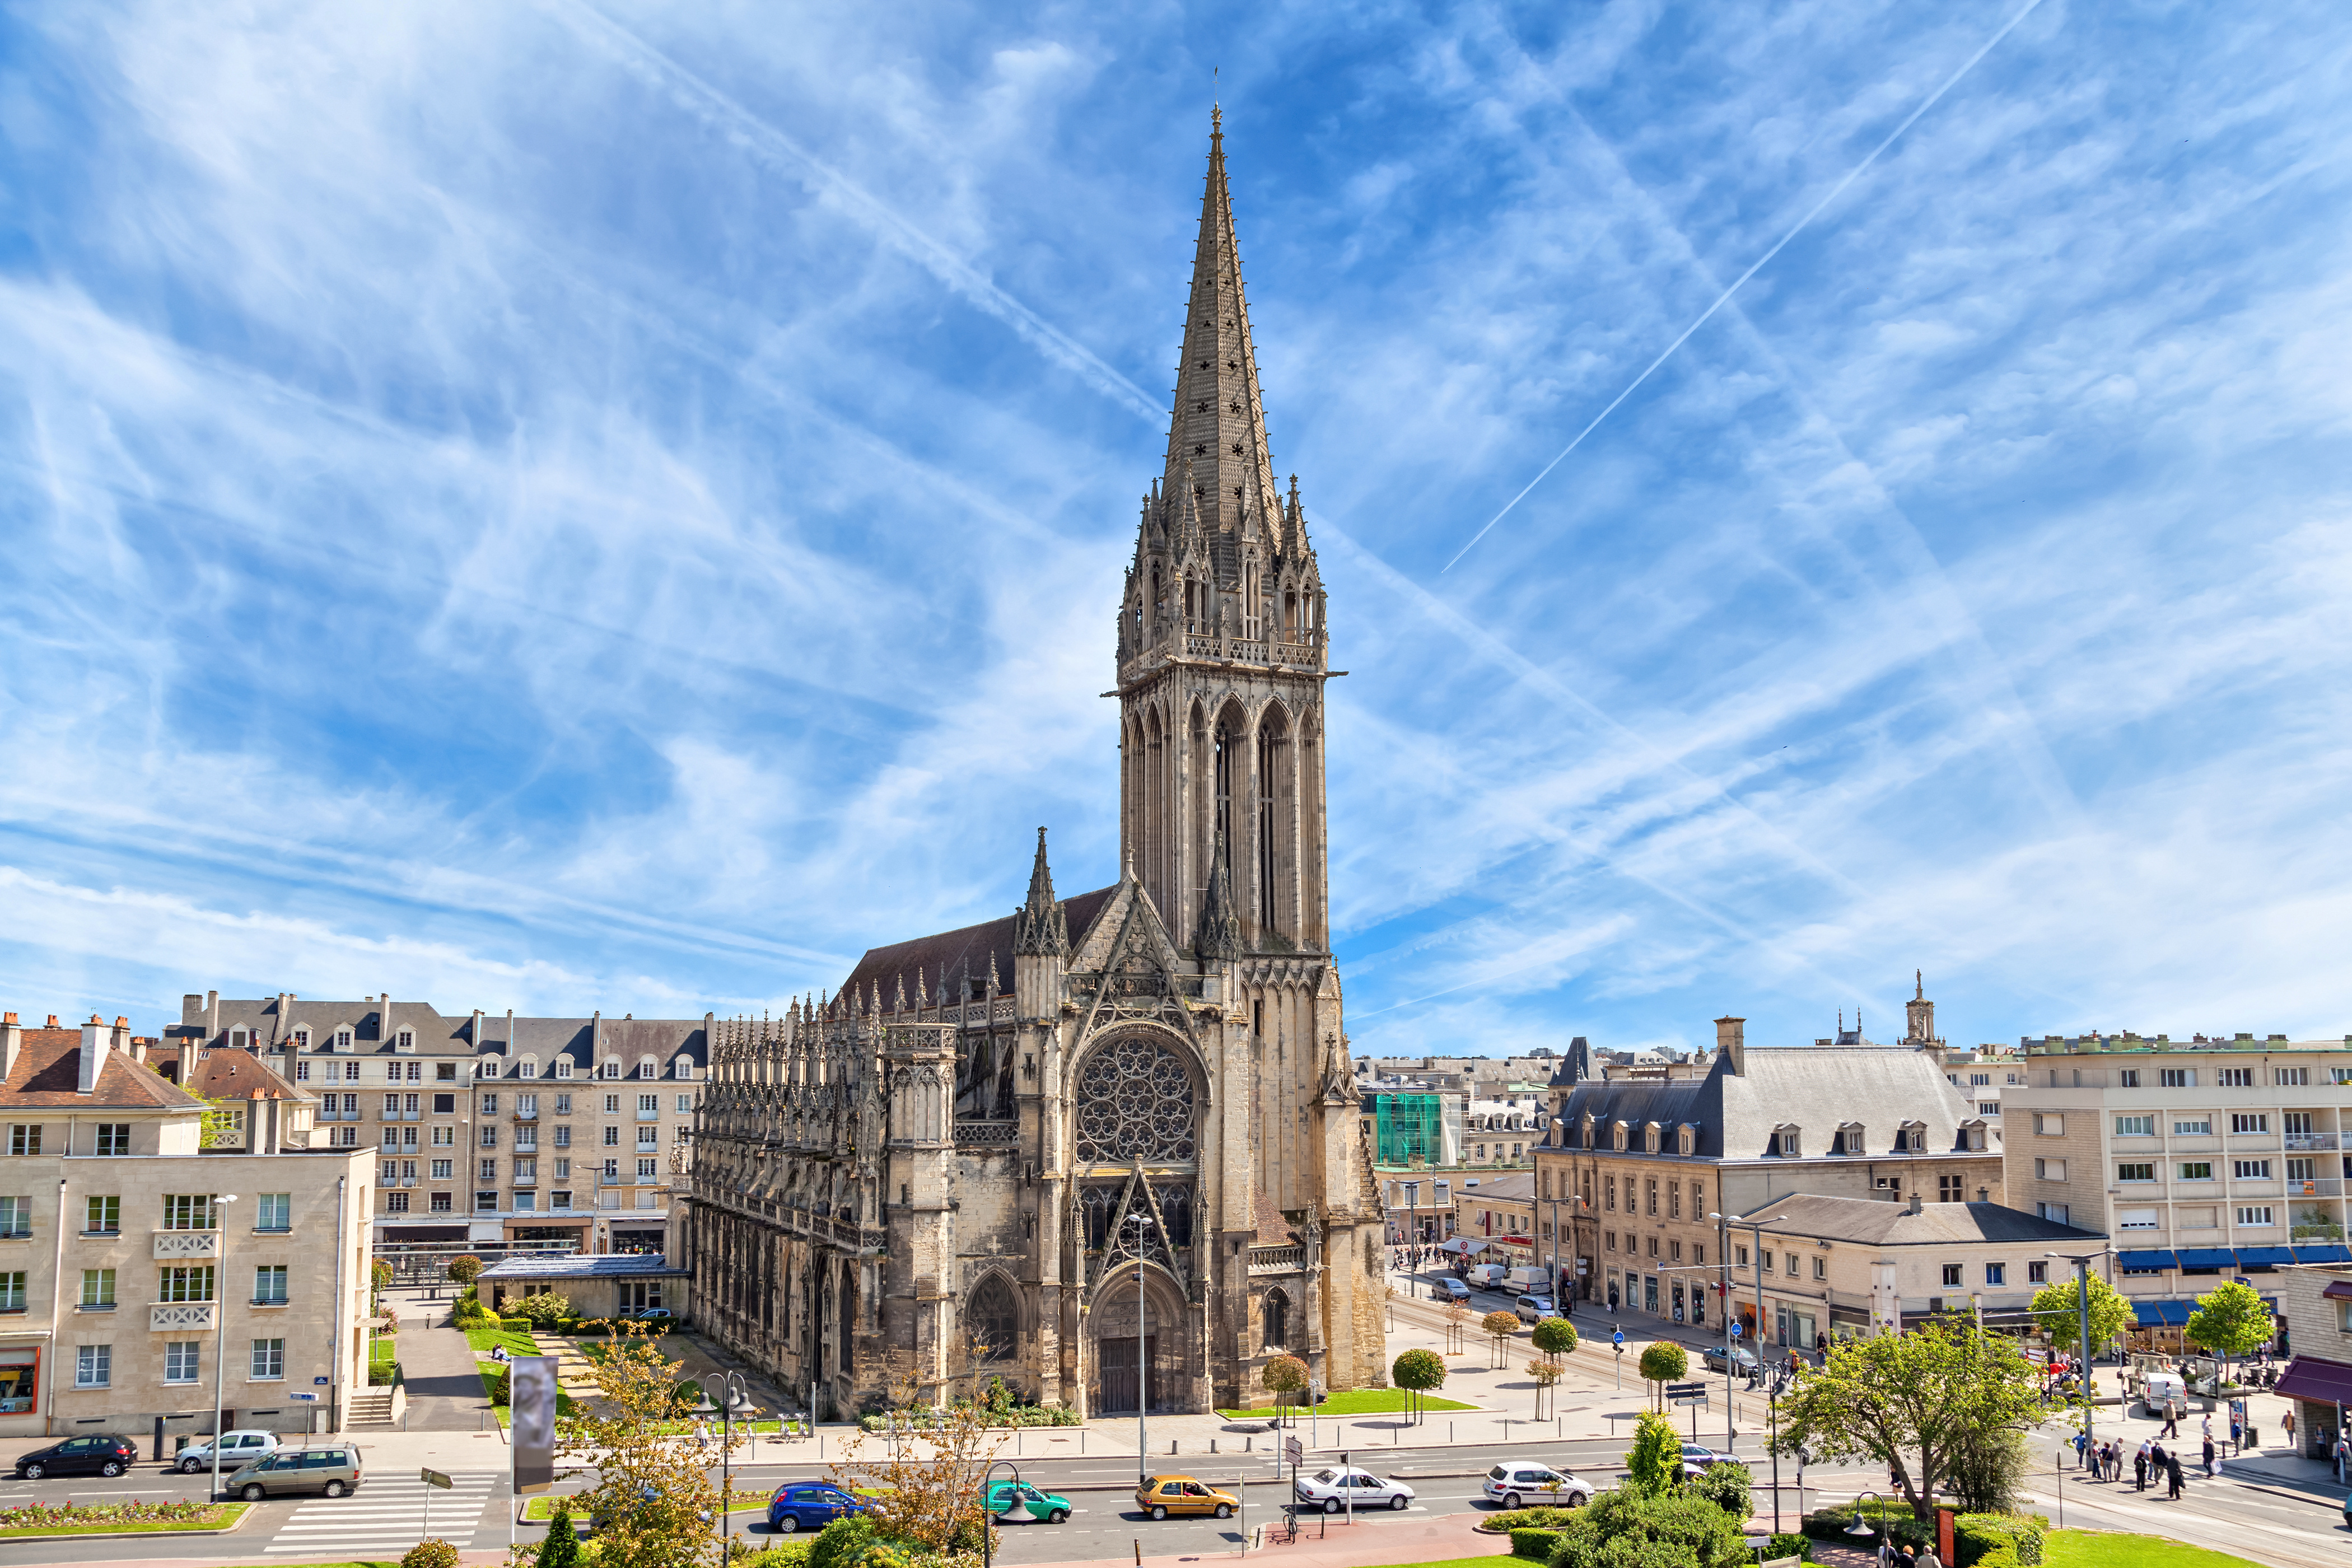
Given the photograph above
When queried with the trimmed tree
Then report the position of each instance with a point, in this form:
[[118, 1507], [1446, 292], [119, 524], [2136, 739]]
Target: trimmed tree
[[545, 1309], [1418, 1372], [562, 1547], [2057, 1308], [1630, 1528], [1663, 1363], [1554, 1338], [464, 1268], [2232, 1320], [1286, 1374], [653, 1495], [1499, 1327]]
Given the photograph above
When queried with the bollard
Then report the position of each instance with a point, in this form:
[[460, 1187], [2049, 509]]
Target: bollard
[[1172, 1447], [1212, 1444]]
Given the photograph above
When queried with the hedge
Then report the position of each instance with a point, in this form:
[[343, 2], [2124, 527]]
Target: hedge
[[1830, 1524], [1535, 1543], [1790, 1544], [1977, 1538]]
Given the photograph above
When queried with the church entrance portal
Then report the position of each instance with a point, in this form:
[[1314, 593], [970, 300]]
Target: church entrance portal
[[1119, 1375]]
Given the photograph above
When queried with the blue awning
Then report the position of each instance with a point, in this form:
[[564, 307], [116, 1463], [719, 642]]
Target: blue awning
[[2143, 1259], [2323, 1254], [2208, 1258], [2167, 1315], [2265, 1257]]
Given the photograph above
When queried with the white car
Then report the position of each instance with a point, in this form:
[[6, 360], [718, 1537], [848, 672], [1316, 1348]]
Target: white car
[[1333, 1489], [1526, 1484], [238, 1448]]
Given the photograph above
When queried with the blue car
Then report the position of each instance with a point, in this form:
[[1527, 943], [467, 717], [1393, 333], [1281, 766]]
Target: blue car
[[810, 1505]]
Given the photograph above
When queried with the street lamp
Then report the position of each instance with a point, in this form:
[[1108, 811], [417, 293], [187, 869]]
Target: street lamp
[[1772, 1394], [1142, 1223], [1858, 1527], [220, 1327], [731, 1395], [986, 1479], [2082, 1262]]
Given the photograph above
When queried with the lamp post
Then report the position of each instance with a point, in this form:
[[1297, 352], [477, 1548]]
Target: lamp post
[[2082, 1262], [1772, 1400], [731, 1395], [987, 1478], [1142, 1223], [220, 1327], [1866, 1530]]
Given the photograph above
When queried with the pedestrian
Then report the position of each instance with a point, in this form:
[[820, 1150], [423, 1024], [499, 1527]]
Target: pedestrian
[[2172, 1420], [2286, 1423], [2172, 1474], [1904, 1557], [2207, 1433], [2081, 1451], [1927, 1558], [2139, 1467], [2237, 1431], [2209, 1458]]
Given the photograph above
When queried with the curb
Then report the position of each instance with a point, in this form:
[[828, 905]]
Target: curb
[[229, 1529]]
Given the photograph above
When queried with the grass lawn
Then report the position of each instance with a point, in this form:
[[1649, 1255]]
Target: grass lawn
[[223, 1516], [2105, 1549], [1353, 1401], [516, 1342]]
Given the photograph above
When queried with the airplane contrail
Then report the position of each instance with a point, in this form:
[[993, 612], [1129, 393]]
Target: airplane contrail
[[1798, 227]]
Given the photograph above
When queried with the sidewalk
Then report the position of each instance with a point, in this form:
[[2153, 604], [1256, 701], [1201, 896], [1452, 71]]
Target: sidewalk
[[445, 1392]]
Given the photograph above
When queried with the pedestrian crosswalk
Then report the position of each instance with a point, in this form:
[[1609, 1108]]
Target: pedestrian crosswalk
[[386, 1516]]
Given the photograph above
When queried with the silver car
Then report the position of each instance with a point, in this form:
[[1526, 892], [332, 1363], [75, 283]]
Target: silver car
[[1523, 1482], [1338, 1490], [238, 1448]]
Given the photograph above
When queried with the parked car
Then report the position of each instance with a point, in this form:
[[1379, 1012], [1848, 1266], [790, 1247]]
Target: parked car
[[1535, 1308], [1522, 1482], [1014, 1501], [238, 1448], [648, 1315], [1163, 1495], [103, 1455], [1715, 1358], [1338, 1490], [1454, 1289], [1697, 1459], [810, 1505], [330, 1472]]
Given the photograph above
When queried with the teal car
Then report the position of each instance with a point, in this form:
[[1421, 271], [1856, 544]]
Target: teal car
[[1017, 1502]]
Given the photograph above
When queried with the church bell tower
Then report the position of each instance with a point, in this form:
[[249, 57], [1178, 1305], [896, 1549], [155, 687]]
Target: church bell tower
[[1222, 650]]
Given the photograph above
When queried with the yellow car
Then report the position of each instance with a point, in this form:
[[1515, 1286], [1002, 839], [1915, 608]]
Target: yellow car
[[1163, 1495]]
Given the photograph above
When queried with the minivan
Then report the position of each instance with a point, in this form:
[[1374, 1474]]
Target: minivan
[[329, 1471]]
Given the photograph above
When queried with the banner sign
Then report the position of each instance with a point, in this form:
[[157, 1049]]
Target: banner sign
[[531, 1383]]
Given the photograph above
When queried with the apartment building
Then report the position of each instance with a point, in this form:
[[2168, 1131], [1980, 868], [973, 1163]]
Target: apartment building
[[1634, 1168], [2203, 1159], [136, 1267], [1845, 1268], [1980, 1073], [486, 1128], [1413, 1129], [1502, 1132], [1501, 1212]]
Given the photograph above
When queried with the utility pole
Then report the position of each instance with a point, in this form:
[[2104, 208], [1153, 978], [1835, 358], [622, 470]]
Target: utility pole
[[2082, 1262]]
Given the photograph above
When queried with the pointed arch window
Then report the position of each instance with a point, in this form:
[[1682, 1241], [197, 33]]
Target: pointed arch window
[[991, 1320], [1135, 1101], [1274, 1319]]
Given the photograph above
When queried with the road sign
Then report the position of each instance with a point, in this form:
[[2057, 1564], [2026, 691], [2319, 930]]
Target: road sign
[[435, 1478], [1294, 1450], [1687, 1394], [319, 1381], [1734, 1327], [1618, 1339], [311, 1397]]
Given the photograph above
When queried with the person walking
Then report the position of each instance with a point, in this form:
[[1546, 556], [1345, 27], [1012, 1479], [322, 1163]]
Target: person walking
[[2172, 1475], [2286, 1424], [2171, 1419], [2139, 1467], [1927, 1558], [2237, 1431], [2082, 1452]]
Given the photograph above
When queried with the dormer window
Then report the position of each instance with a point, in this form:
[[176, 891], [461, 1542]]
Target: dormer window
[[1619, 1133], [646, 1067], [238, 1040], [1687, 1140], [610, 1068], [1785, 1139], [1852, 1139], [344, 1039], [529, 1069], [1649, 1137], [563, 1066], [1590, 1125], [682, 1068], [1911, 1138], [300, 1038], [1972, 1136]]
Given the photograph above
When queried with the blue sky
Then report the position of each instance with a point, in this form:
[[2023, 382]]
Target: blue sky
[[622, 506]]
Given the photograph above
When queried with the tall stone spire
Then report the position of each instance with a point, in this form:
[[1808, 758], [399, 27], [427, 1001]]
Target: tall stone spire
[[1039, 925], [1217, 448], [1220, 935]]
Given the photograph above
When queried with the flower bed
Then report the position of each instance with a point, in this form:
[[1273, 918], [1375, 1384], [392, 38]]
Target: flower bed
[[117, 1518]]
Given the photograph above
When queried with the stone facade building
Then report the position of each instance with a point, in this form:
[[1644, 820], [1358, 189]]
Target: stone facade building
[[958, 1165]]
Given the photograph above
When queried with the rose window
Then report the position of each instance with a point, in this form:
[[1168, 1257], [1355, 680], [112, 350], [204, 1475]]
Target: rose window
[[1135, 1102]]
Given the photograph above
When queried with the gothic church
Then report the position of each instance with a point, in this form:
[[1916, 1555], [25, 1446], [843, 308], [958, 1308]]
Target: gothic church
[[1018, 1148]]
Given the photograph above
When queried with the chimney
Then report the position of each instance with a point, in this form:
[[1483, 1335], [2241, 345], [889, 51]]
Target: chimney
[[211, 1014], [1915, 1200], [93, 1054], [119, 1038], [1730, 1043], [12, 1045]]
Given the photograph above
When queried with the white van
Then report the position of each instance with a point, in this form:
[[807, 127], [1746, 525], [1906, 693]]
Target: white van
[[2159, 1390], [1528, 1280], [1487, 1276]]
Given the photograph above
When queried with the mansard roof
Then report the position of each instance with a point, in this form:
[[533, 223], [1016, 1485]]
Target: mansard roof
[[1875, 1223], [1815, 1089], [47, 1073], [948, 952]]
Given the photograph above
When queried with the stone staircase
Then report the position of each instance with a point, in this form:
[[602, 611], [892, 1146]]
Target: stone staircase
[[369, 1407]]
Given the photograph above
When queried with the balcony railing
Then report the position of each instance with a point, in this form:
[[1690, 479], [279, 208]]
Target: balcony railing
[[167, 1315], [645, 1115], [1276, 1260], [178, 1244], [2316, 1187], [2302, 1141]]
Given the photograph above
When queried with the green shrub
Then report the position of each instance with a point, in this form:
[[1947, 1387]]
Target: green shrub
[[1999, 1557], [496, 1384], [1976, 1536], [1630, 1527], [841, 1543], [1535, 1543], [430, 1555], [562, 1547], [1726, 1484], [787, 1554], [1829, 1523], [1790, 1544], [1543, 1517]]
